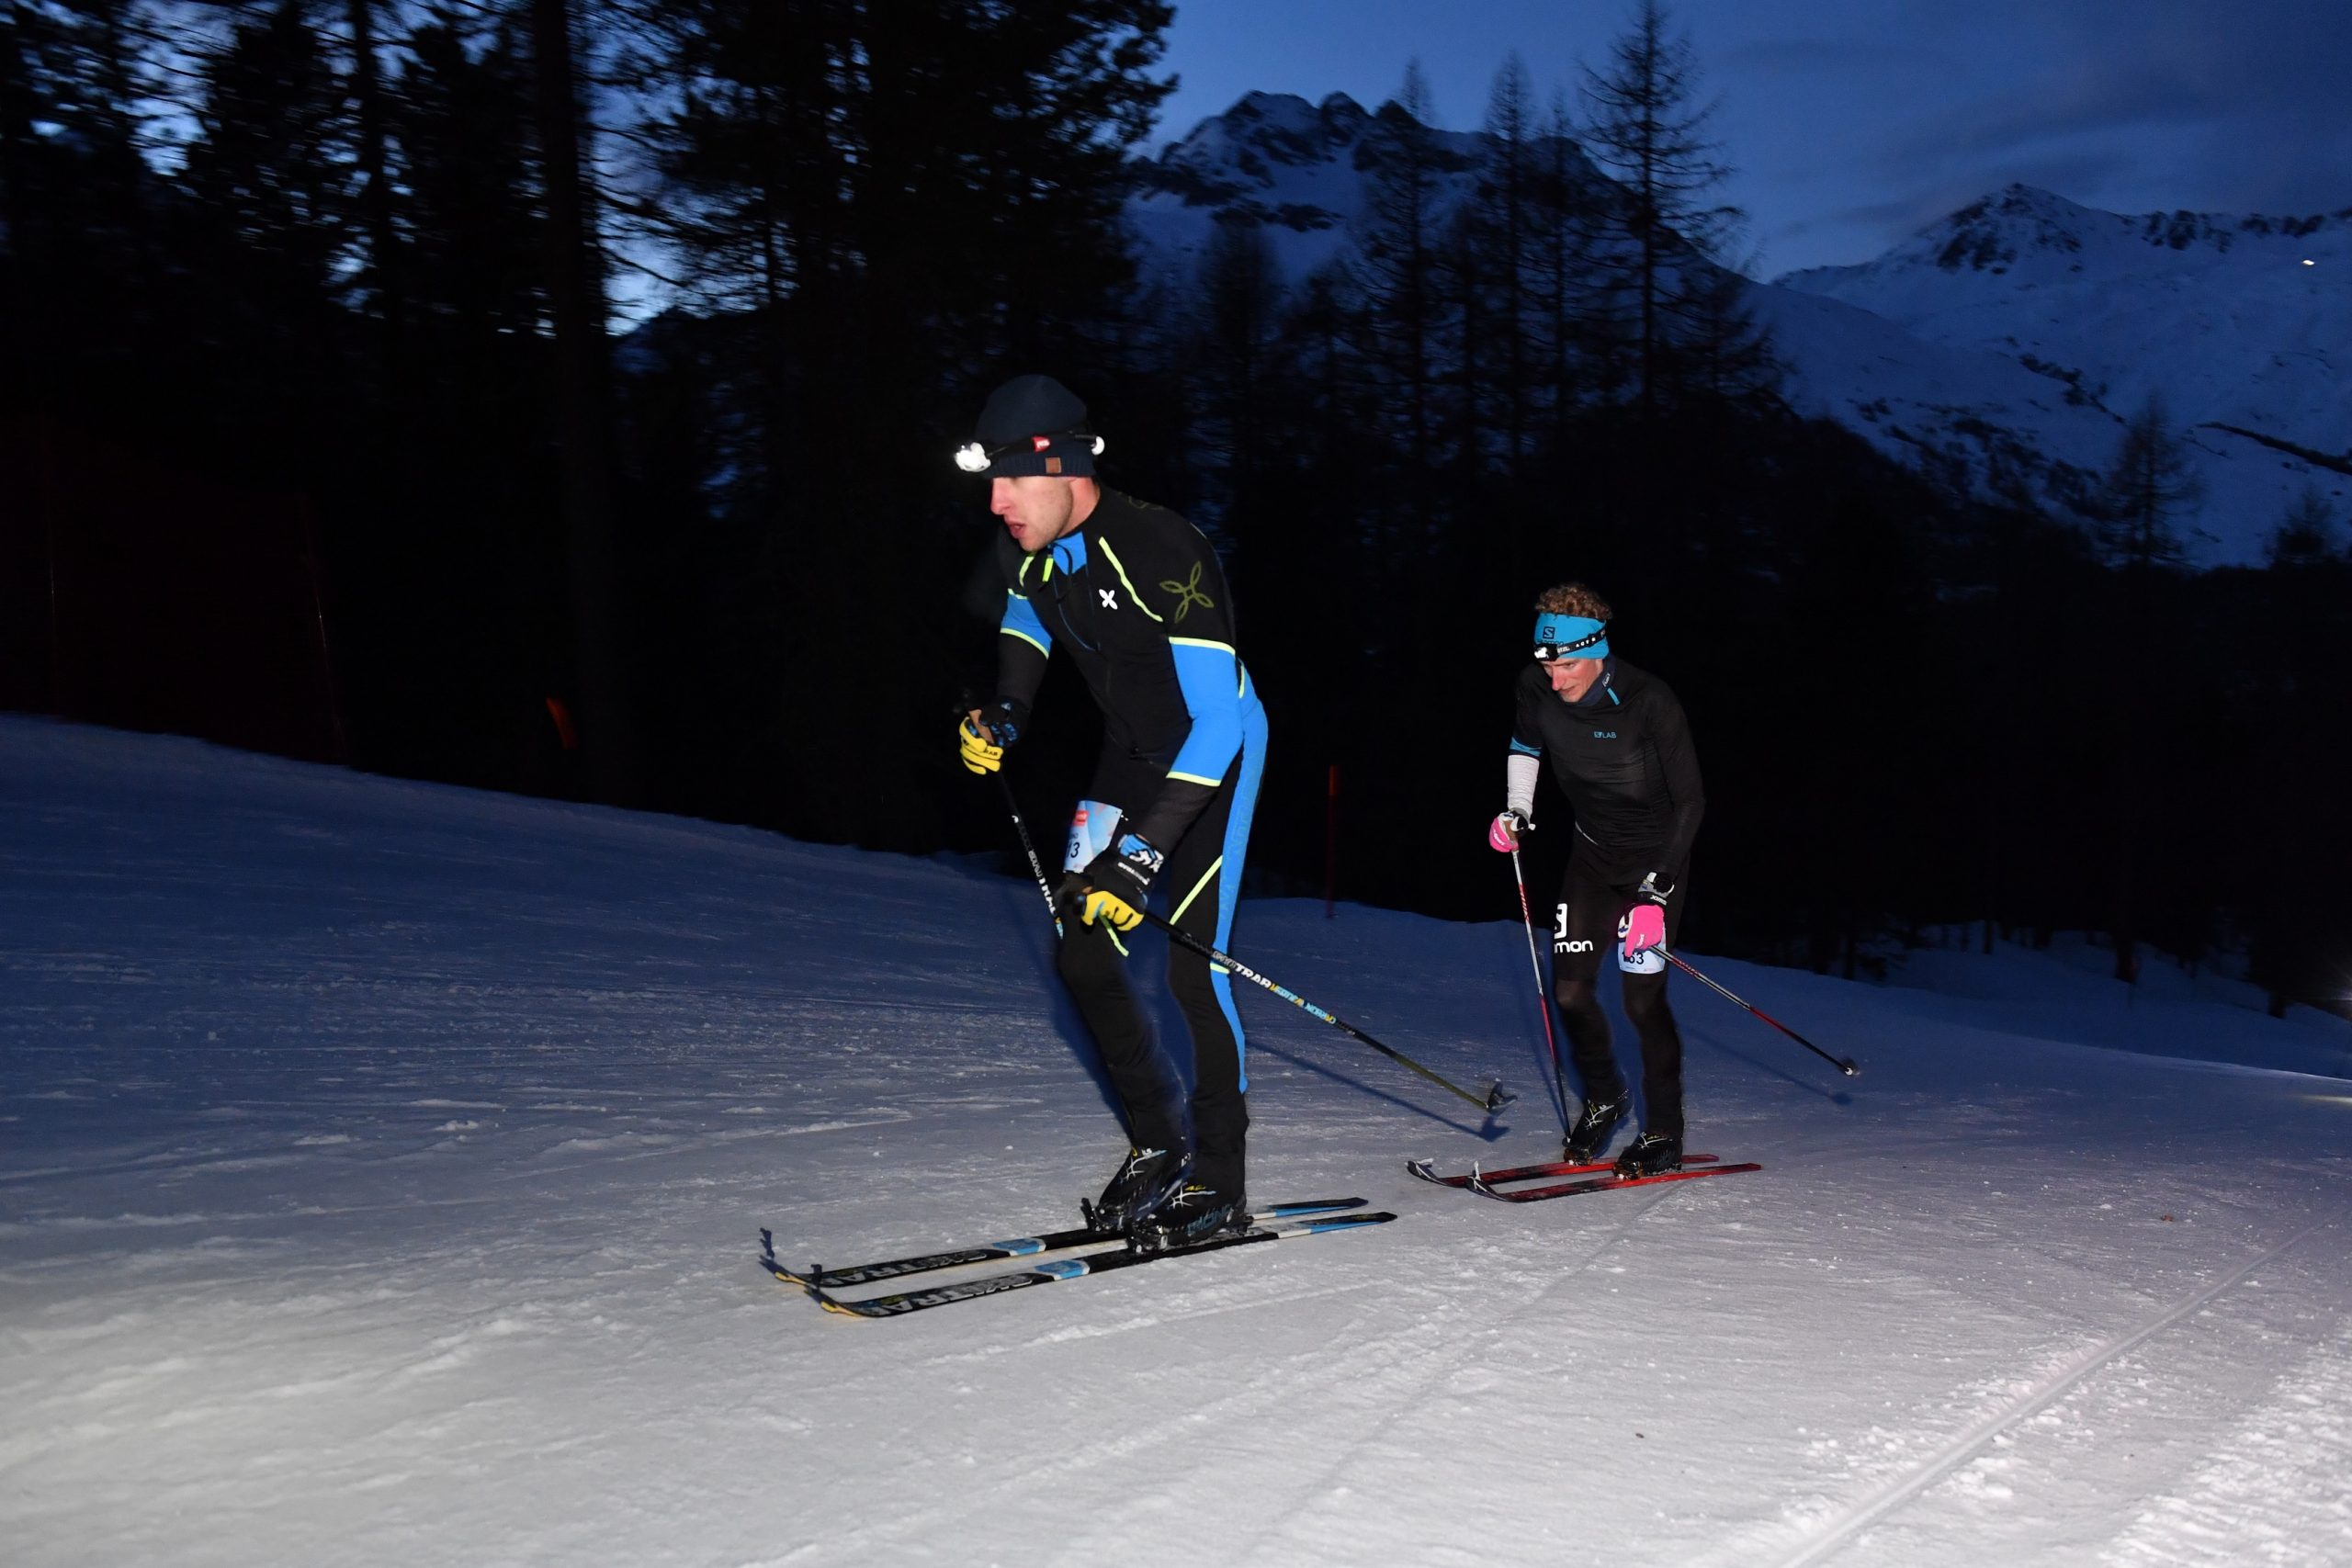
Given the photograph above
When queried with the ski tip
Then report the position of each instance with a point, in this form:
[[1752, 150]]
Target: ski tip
[[1496, 1099]]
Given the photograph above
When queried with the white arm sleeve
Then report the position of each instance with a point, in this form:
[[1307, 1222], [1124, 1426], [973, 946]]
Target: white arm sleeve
[[1518, 783]]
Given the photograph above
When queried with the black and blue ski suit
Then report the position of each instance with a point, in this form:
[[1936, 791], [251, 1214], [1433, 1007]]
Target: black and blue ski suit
[[1136, 598]]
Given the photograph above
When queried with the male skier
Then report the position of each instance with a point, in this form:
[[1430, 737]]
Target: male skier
[[1621, 753], [1134, 597]]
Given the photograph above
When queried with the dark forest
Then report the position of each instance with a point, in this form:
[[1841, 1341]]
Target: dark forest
[[330, 428]]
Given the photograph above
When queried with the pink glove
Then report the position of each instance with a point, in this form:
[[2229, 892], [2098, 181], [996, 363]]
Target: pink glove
[[1502, 833], [1645, 929]]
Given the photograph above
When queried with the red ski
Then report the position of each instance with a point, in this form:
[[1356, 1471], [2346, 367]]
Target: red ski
[[1480, 1185], [1473, 1176]]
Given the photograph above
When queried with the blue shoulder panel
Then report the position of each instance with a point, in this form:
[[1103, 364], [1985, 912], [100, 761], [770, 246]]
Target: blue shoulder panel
[[1020, 620]]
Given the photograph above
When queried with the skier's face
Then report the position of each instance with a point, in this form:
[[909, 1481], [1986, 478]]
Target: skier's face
[[1572, 678], [1037, 508]]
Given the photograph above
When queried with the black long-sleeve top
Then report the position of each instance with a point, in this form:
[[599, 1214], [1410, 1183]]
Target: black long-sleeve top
[[1624, 759]]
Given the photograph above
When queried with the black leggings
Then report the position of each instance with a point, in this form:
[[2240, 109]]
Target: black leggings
[[1585, 926], [1093, 963]]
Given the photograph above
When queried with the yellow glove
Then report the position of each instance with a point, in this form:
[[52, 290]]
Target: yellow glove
[[1122, 915], [981, 754], [989, 731]]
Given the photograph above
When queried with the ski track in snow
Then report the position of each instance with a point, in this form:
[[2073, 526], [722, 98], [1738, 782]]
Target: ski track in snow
[[2274, 1493], [381, 1166], [1833, 1537]]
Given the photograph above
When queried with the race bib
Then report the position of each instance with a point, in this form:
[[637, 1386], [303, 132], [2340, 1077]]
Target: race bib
[[1091, 831]]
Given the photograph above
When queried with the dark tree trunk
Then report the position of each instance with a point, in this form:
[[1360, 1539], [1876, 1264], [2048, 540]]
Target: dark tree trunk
[[582, 371]]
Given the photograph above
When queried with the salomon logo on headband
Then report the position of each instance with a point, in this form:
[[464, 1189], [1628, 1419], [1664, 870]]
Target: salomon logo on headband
[[1570, 637]]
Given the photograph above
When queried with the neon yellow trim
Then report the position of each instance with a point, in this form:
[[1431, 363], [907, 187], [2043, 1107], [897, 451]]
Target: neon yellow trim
[[1113, 935], [1024, 636], [1195, 778], [1195, 893], [1119, 567], [1197, 642], [1025, 561]]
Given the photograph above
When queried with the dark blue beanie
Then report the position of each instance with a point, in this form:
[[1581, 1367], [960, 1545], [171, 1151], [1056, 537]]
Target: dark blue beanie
[[1032, 424]]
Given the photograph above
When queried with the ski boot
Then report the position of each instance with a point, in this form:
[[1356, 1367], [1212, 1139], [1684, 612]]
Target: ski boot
[[1196, 1215], [1590, 1134], [1145, 1179], [1652, 1154]]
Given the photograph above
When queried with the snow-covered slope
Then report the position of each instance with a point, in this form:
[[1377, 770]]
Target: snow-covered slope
[[2242, 326], [380, 1165], [2013, 339]]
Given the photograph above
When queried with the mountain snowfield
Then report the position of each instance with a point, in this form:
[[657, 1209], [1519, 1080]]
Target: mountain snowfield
[[2014, 338], [381, 1166], [2241, 326]]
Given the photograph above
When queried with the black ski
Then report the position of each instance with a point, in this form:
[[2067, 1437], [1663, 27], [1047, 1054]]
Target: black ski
[[1052, 1271], [1604, 1184], [990, 1251], [1473, 1176]]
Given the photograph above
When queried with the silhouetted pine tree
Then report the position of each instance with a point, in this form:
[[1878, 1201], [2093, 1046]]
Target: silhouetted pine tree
[[1394, 268], [1505, 222], [2149, 488], [1684, 327]]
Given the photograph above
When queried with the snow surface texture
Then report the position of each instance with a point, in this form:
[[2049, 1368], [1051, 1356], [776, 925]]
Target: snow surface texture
[[2003, 347], [380, 1166]]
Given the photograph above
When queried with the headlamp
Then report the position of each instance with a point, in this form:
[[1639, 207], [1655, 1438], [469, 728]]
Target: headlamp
[[975, 458]]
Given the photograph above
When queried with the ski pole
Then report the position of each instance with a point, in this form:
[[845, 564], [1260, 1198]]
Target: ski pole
[[1527, 919], [1036, 866], [1843, 1063], [1492, 1101]]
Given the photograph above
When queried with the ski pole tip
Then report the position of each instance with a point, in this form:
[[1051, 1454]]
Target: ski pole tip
[[1497, 1100], [1848, 1068]]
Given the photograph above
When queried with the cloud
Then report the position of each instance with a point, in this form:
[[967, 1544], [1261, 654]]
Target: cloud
[[1829, 56], [2211, 102]]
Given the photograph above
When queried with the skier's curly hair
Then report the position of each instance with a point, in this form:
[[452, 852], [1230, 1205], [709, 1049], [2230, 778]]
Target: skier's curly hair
[[1573, 599]]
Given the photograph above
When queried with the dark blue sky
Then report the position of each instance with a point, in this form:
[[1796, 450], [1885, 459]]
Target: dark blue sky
[[1853, 123]]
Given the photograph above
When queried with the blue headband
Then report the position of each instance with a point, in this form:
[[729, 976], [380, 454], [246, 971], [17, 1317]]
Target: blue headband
[[1570, 637]]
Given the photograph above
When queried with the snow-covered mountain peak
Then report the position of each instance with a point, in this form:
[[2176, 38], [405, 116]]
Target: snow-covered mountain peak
[[2028, 237], [2240, 326], [1247, 153], [1993, 231]]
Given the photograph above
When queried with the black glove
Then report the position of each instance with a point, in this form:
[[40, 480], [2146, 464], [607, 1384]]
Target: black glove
[[1120, 878]]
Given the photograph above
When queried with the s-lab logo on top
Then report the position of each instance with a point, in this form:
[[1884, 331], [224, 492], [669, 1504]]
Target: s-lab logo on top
[[1604, 735]]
